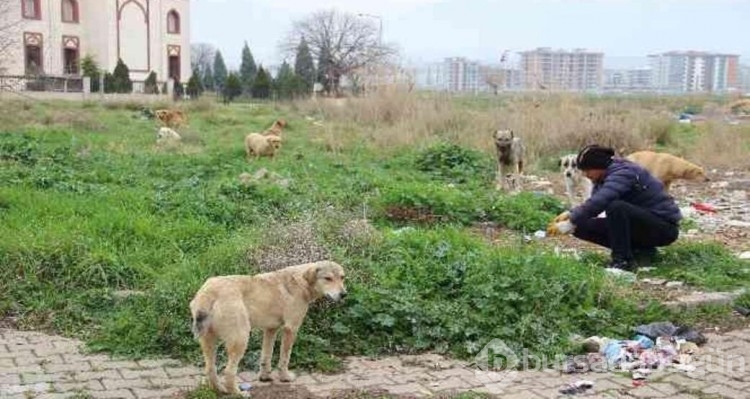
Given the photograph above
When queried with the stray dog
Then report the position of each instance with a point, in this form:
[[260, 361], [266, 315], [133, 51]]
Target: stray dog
[[260, 145], [573, 178], [171, 117], [276, 128], [667, 167], [510, 154], [226, 308], [166, 133]]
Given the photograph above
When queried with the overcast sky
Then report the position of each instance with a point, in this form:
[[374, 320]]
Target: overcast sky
[[429, 30]]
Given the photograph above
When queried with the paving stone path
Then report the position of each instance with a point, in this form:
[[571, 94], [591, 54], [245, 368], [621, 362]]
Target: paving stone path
[[35, 365]]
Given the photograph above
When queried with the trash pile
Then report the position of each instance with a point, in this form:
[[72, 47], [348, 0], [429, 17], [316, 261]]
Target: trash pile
[[654, 346]]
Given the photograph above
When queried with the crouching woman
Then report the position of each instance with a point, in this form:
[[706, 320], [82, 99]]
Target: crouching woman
[[639, 214]]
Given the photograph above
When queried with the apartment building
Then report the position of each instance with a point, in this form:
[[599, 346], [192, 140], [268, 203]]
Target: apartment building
[[638, 79], [576, 70], [745, 78], [52, 36], [695, 71], [454, 74], [462, 75]]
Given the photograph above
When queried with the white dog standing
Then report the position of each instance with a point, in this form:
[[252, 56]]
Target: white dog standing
[[574, 179]]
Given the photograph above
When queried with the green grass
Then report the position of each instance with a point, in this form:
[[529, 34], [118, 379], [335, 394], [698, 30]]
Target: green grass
[[89, 205]]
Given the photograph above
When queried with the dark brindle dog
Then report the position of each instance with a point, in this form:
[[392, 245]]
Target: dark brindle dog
[[510, 154]]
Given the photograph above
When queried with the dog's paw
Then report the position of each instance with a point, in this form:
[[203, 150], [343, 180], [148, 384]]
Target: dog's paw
[[265, 377], [286, 376]]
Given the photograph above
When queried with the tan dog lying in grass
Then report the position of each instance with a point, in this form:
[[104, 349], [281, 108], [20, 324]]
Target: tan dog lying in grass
[[259, 145], [667, 167], [227, 308], [171, 117], [277, 128]]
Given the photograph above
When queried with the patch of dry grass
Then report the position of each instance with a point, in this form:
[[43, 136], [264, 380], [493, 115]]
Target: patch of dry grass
[[549, 124]]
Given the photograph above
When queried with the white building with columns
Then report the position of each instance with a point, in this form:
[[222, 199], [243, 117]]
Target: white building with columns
[[52, 36]]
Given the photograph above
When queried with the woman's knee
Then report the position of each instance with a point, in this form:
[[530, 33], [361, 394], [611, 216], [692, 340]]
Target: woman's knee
[[615, 207]]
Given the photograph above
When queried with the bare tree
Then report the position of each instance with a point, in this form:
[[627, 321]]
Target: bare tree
[[10, 31], [201, 56], [341, 42], [493, 77]]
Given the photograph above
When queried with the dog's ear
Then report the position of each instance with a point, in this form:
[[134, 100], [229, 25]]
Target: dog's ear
[[559, 162], [512, 134], [311, 274]]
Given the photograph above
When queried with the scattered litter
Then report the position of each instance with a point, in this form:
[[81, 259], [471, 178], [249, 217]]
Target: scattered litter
[[674, 284], [689, 348], [646, 269], [742, 310], [640, 374], [703, 207], [684, 367], [577, 387], [639, 383], [644, 342], [245, 386], [653, 346], [540, 234], [658, 330]]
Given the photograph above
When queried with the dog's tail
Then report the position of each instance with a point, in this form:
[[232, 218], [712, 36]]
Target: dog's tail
[[200, 308]]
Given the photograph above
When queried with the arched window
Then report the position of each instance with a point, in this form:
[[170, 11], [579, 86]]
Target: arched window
[[31, 9], [70, 11], [173, 22]]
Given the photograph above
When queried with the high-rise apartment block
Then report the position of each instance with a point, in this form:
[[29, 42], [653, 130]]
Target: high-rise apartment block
[[455, 74], [577, 70], [695, 71], [745, 78]]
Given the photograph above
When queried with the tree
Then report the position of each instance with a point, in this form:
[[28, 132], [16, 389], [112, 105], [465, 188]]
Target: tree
[[150, 86], [208, 79], [109, 83], [248, 69], [195, 85], [179, 89], [232, 87], [344, 42], [262, 84], [201, 56], [91, 69], [304, 66], [121, 78], [220, 71], [284, 84], [325, 68], [10, 30], [492, 77]]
